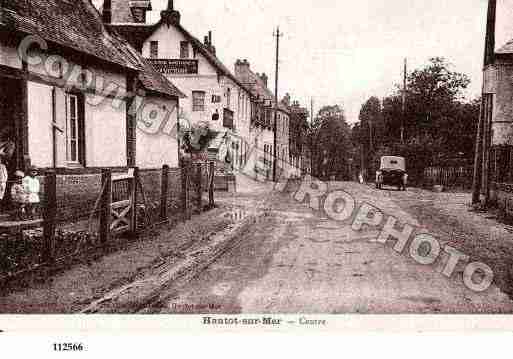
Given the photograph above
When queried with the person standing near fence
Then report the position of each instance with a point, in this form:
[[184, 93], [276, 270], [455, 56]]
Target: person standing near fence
[[19, 196], [32, 187], [3, 179]]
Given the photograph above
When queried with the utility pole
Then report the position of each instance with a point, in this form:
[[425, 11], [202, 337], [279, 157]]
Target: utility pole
[[481, 177], [371, 142], [277, 34], [312, 110], [404, 99]]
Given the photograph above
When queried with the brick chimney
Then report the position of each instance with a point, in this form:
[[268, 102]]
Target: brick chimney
[[264, 78], [125, 11], [107, 12], [139, 8], [286, 100], [208, 43], [170, 16], [242, 70]]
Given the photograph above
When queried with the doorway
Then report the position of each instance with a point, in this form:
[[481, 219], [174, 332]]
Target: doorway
[[11, 113]]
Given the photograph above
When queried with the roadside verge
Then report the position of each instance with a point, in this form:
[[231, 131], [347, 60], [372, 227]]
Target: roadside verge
[[135, 296]]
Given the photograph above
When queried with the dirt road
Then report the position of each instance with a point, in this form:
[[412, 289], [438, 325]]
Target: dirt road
[[298, 261]]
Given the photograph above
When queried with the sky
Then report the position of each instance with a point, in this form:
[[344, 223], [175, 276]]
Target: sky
[[343, 52]]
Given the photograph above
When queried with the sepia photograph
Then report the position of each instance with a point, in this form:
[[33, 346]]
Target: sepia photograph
[[293, 165]]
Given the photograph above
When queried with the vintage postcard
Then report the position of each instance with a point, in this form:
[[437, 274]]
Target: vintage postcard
[[256, 165]]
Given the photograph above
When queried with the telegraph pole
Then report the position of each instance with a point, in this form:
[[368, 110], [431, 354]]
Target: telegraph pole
[[481, 176], [312, 110], [277, 34], [404, 99]]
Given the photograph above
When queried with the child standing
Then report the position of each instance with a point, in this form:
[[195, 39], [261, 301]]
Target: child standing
[[3, 178], [19, 196], [32, 188]]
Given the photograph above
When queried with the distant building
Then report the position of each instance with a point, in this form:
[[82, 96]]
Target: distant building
[[262, 120], [299, 151]]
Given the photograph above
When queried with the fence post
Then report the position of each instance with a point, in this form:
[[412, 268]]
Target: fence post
[[135, 186], [185, 191], [106, 203], [211, 185], [49, 216], [164, 193], [199, 188]]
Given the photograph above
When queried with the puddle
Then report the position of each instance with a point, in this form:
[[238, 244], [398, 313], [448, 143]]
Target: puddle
[[328, 228], [425, 300], [319, 241], [284, 266]]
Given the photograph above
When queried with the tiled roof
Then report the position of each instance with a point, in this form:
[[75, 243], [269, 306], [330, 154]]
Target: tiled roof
[[506, 49], [260, 90], [77, 24], [74, 24]]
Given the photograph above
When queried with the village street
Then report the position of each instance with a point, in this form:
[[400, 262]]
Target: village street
[[297, 261]]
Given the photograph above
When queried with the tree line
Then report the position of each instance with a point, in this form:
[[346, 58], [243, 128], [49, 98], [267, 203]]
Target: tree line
[[429, 123]]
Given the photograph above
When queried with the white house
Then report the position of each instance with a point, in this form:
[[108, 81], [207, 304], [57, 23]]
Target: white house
[[214, 95], [71, 92], [262, 122]]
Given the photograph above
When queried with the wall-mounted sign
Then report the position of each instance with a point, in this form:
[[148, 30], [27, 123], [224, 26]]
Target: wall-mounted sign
[[175, 66], [216, 99], [228, 119]]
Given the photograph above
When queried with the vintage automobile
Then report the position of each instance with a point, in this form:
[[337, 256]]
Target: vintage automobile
[[392, 172]]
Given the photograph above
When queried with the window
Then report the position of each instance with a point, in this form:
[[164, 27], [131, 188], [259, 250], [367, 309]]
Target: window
[[154, 49], [239, 112], [184, 49], [228, 97], [198, 101], [74, 130]]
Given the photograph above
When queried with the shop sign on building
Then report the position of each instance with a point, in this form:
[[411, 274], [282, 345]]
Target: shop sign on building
[[175, 66]]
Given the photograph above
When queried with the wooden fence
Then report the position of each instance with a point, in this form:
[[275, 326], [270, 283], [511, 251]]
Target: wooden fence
[[117, 208], [455, 176]]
